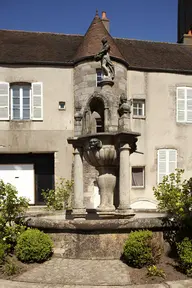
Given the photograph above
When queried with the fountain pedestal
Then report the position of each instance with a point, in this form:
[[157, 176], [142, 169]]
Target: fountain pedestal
[[106, 183]]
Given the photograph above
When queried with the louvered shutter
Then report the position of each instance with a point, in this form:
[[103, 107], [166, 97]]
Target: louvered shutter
[[162, 164], [181, 107], [189, 104], [37, 101], [167, 163], [172, 160], [4, 101]]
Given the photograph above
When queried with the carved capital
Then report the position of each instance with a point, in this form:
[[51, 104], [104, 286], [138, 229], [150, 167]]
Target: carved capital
[[124, 146]]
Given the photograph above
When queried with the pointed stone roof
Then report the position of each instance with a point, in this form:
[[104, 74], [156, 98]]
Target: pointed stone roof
[[91, 43]]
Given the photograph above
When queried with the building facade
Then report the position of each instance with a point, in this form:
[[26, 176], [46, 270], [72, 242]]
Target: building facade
[[49, 92]]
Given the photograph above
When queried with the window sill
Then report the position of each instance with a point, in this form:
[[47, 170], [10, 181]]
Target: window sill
[[138, 187], [183, 123], [138, 117], [22, 121]]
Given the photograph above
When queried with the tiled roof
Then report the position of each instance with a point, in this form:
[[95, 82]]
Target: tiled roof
[[61, 49], [26, 47], [91, 43], [156, 55]]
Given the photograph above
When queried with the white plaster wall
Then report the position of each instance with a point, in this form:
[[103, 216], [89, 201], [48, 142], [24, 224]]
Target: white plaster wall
[[158, 129], [49, 135]]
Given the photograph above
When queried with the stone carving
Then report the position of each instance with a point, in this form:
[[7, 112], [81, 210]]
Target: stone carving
[[124, 105], [106, 63], [95, 144]]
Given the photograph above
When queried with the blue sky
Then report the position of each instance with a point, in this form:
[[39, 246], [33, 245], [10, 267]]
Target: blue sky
[[136, 19]]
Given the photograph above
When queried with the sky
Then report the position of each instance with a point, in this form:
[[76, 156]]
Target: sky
[[154, 20]]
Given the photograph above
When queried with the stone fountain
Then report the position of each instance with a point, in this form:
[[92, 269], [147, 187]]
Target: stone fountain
[[108, 152], [103, 236]]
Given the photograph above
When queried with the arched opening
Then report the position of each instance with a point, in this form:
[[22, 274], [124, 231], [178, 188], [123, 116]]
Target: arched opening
[[97, 115]]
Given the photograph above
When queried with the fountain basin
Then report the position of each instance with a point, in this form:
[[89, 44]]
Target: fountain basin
[[101, 149]]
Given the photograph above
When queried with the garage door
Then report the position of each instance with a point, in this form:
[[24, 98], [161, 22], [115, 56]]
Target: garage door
[[22, 177]]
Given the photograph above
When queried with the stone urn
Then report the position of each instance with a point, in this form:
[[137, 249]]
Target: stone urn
[[103, 156]]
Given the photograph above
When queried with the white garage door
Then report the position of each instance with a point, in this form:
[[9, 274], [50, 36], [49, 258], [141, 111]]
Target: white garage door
[[22, 177]]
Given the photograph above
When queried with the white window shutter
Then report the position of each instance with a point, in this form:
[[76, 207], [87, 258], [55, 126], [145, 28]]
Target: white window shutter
[[167, 163], [162, 164], [189, 104], [172, 156], [37, 101], [4, 101], [181, 108]]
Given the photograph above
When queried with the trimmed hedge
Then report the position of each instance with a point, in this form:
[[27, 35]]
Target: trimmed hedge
[[33, 246], [142, 249]]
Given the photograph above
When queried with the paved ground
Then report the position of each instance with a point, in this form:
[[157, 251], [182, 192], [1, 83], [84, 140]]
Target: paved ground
[[79, 272], [75, 273]]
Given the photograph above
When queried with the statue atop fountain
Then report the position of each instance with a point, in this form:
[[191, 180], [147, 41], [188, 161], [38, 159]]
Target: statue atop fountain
[[107, 66]]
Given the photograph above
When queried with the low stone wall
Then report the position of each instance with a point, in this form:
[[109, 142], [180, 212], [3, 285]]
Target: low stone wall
[[93, 239]]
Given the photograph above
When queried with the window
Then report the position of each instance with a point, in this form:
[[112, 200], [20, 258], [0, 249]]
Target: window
[[21, 101], [99, 76], [184, 104], [138, 178], [61, 105], [167, 163], [138, 107]]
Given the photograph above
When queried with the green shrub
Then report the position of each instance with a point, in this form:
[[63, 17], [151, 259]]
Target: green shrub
[[184, 250], [12, 209], [33, 246], [153, 271], [174, 197], [141, 249], [3, 252], [12, 206], [58, 199], [10, 266]]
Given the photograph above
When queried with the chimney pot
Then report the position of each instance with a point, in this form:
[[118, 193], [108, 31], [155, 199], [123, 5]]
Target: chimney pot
[[105, 20], [104, 16]]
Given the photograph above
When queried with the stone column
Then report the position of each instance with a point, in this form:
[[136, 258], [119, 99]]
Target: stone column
[[106, 119], [79, 210], [124, 180]]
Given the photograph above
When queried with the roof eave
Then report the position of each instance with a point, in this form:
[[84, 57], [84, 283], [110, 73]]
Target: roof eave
[[166, 70], [91, 58], [48, 63]]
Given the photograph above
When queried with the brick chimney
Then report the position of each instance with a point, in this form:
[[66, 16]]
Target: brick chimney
[[105, 20]]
